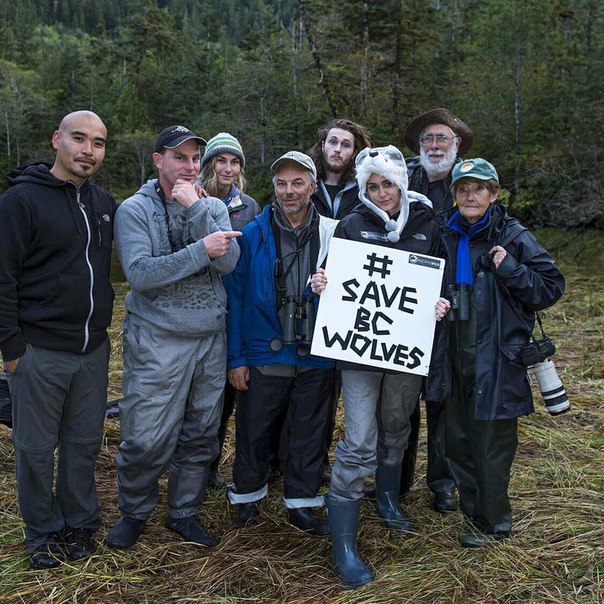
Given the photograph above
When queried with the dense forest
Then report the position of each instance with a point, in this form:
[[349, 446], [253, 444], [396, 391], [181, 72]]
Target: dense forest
[[526, 75]]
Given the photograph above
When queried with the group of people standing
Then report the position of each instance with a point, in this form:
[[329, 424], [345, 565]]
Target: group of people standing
[[192, 244]]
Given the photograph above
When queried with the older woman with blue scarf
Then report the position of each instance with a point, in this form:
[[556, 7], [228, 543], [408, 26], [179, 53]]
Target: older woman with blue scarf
[[498, 276]]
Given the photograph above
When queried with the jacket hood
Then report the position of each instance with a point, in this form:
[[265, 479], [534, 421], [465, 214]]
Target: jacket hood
[[389, 163], [33, 173], [149, 189]]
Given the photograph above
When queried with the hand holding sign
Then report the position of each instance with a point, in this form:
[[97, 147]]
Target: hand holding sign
[[442, 308], [318, 282]]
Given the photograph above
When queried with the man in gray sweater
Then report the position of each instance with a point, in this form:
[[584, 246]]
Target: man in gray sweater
[[174, 247]]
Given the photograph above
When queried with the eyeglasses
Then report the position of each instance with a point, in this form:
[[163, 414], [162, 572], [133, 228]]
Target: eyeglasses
[[440, 139]]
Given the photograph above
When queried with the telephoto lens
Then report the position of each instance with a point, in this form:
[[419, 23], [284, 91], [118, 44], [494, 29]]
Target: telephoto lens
[[551, 387]]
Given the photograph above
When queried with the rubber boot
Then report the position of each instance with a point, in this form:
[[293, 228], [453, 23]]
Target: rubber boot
[[343, 518], [387, 487]]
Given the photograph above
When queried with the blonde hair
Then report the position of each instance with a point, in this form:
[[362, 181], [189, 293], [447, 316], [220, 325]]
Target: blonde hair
[[208, 178]]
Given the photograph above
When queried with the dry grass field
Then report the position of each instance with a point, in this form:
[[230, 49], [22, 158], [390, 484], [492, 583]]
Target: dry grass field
[[556, 555]]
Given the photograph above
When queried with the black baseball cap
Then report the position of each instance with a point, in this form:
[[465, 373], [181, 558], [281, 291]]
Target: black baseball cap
[[172, 136]]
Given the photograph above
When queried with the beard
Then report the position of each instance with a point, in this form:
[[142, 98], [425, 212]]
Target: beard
[[335, 168], [294, 207], [444, 163]]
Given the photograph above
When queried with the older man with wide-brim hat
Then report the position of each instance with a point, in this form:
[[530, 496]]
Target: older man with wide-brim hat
[[440, 115], [440, 138]]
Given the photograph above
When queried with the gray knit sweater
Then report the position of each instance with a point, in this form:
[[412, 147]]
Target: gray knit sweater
[[180, 291]]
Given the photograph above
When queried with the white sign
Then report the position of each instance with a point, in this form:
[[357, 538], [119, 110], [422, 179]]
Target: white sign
[[378, 306]]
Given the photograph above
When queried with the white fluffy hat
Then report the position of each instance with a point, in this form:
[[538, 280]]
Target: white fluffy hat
[[389, 163]]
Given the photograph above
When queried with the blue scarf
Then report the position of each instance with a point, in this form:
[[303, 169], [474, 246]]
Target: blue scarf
[[463, 268]]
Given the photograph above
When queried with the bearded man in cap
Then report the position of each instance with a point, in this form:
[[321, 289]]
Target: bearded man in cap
[[440, 138], [270, 324], [175, 247]]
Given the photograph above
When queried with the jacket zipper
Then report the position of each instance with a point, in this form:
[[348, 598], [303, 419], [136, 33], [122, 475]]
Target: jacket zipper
[[89, 234]]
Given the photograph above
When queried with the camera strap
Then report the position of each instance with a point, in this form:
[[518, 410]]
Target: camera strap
[[540, 326], [311, 236]]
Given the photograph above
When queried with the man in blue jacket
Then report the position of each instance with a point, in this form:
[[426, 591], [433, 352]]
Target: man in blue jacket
[[269, 328], [55, 306]]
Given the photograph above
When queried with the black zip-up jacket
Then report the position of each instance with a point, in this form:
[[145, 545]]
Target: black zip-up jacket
[[505, 301], [421, 235], [55, 257], [349, 199]]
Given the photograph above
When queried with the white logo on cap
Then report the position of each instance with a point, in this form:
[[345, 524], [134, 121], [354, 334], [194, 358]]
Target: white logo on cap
[[467, 166], [180, 129]]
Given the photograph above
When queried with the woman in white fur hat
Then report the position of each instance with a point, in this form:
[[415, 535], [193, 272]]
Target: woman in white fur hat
[[393, 217]]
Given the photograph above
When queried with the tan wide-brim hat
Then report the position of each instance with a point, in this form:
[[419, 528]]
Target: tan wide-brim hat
[[438, 116]]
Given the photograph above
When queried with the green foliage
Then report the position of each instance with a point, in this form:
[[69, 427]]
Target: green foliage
[[524, 75]]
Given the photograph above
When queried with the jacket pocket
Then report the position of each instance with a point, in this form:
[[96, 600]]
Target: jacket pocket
[[103, 231], [68, 303], [513, 378]]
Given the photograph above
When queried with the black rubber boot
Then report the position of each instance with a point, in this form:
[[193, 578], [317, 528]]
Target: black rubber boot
[[343, 518], [309, 522], [125, 532], [387, 488], [245, 513], [191, 531]]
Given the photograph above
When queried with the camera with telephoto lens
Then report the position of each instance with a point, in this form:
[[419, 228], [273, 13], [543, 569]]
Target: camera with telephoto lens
[[537, 351], [459, 296], [535, 356], [298, 323]]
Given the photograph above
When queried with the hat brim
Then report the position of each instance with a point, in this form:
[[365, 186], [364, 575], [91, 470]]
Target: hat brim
[[439, 115], [474, 176], [283, 160], [183, 139]]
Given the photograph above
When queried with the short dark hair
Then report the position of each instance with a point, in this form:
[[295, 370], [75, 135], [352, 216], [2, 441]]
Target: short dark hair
[[362, 139]]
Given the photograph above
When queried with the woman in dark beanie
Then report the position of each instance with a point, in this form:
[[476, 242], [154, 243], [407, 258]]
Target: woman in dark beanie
[[222, 176], [499, 275]]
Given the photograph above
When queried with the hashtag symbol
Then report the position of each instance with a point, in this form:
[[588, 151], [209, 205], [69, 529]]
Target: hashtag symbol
[[375, 262]]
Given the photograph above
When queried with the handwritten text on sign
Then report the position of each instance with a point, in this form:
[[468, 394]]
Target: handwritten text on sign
[[378, 307]]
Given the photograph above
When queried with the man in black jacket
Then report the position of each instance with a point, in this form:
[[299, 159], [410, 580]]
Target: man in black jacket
[[337, 194], [55, 306], [440, 138], [334, 153]]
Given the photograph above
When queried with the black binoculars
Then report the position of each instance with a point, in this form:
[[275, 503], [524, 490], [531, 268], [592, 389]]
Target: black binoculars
[[298, 323], [459, 296]]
